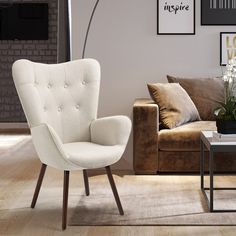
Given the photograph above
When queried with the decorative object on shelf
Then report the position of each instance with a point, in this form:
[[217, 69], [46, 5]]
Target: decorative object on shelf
[[176, 17], [88, 28], [227, 47], [226, 126], [226, 112], [223, 137], [218, 12]]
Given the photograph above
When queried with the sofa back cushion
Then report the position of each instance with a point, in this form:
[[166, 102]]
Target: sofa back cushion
[[175, 105], [204, 92]]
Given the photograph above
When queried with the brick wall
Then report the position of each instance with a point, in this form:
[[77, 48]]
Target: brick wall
[[36, 50]]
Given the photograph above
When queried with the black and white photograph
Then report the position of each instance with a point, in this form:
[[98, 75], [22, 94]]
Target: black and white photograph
[[176, 17], [218, 12]]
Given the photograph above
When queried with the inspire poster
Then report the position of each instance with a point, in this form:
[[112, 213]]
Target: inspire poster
[[176, 17]]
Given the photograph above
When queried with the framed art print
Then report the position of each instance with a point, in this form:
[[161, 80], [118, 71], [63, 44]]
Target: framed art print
[[227, 47], [218, 12], [175, 17]]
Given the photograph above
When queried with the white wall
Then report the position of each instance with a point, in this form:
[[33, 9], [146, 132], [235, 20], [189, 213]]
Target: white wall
[[123, 39]]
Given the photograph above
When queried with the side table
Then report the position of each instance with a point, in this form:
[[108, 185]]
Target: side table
[[206, 141]]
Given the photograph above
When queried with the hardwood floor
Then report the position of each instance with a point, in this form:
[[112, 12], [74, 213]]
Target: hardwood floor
[[19, 170]]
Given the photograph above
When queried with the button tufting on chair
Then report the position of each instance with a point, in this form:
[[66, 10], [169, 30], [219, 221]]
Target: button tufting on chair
[[72, 140]]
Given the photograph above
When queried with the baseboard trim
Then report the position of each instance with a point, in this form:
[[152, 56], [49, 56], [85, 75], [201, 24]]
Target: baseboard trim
[[15, 131], [14, 128]]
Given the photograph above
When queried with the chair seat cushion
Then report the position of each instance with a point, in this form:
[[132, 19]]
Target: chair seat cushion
[[185, 137], [90, 155]]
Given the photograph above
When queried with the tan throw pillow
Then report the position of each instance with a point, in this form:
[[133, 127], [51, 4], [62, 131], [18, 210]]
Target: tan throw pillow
[[204, 92], [176, 107]]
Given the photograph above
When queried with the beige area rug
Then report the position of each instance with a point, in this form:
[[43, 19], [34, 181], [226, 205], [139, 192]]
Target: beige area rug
[[154, 200], [147, 200], [12, 142]]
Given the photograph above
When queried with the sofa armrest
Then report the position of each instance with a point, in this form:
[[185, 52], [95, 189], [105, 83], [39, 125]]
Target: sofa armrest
[[145, 129]]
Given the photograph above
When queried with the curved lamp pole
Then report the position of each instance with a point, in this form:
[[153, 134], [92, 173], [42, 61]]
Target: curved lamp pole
[[88, 28]]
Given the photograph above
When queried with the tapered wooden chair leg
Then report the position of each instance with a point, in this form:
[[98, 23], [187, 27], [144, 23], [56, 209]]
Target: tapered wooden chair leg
[[86, 183], [114, 190], [38, 186], [65, 199]]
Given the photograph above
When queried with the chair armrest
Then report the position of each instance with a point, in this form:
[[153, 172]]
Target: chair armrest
[[145, 130], [114, 130], [49, 147]]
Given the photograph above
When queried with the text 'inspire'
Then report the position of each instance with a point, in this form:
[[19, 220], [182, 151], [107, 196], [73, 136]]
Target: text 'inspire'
[[176, 8]]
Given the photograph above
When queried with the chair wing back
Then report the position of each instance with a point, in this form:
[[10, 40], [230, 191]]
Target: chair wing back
[[65, 95]]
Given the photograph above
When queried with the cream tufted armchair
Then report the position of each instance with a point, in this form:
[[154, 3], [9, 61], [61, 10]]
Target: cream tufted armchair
[[60, 103]]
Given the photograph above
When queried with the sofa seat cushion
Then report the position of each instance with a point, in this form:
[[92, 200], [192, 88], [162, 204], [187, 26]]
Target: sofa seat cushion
[[185, 137]]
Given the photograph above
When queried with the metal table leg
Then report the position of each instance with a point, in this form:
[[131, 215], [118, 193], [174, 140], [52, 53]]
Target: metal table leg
[[211, 169], [202, 164]]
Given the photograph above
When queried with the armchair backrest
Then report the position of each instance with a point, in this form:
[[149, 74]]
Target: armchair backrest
[[65, 95]]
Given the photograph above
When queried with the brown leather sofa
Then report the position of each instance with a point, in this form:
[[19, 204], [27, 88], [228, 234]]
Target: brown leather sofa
[[160, 150]]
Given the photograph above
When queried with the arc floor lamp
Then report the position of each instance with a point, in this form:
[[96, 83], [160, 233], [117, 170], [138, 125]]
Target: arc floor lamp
[[87, 30]]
